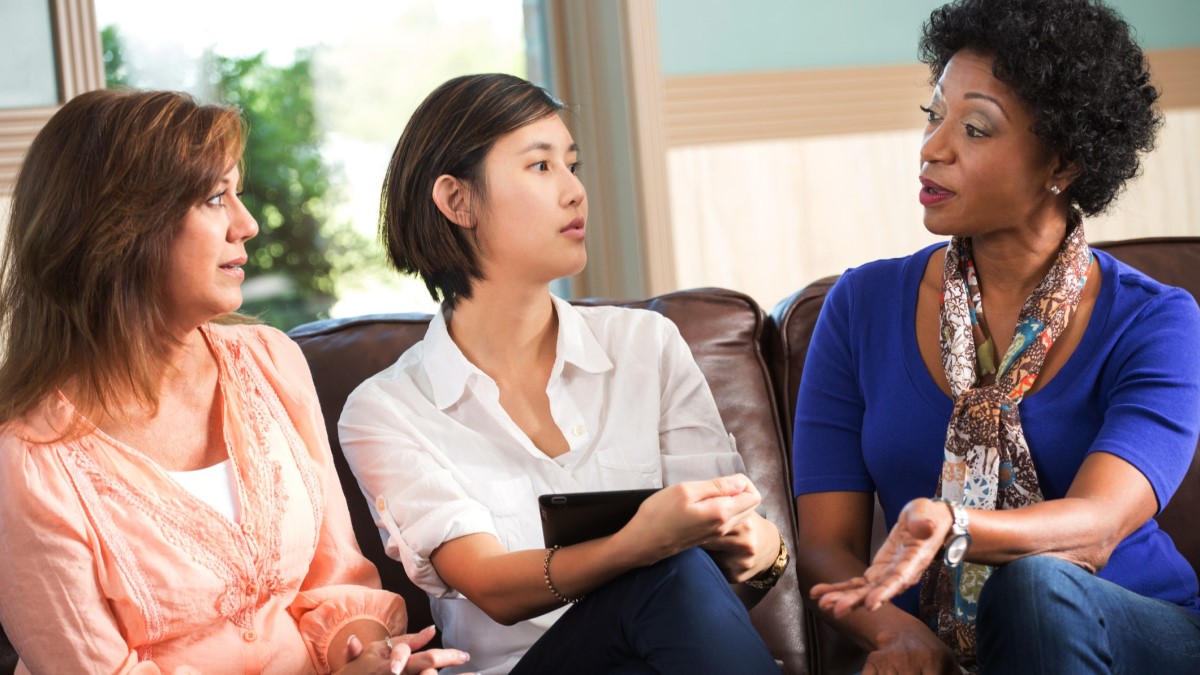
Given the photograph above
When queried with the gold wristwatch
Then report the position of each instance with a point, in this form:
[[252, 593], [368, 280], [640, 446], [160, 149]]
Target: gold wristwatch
[[767, 578]]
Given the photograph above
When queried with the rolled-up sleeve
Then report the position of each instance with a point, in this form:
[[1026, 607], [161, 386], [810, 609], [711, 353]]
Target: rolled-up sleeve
[[415, 498]]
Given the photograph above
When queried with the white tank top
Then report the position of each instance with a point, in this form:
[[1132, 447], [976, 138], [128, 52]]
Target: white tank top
[[213, 485]]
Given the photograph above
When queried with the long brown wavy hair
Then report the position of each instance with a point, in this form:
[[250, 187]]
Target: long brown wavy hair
[[100, 197]]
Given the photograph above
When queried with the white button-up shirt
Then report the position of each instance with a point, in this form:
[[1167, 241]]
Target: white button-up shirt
[[438, 458]]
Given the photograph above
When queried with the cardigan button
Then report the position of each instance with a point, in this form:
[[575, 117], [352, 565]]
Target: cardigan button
[[249, 636]]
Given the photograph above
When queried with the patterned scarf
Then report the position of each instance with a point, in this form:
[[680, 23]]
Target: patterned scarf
[[987, 462]]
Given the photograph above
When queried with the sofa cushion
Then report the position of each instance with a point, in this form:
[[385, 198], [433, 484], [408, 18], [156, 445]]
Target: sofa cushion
[[727, 332]]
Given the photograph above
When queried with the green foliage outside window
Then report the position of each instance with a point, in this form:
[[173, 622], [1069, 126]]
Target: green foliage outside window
[[287, 186]]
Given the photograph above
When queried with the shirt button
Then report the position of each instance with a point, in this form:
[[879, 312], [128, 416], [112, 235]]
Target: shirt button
[[249, 636], [578, 430], [248, 528], [380, 504], [252, 590]]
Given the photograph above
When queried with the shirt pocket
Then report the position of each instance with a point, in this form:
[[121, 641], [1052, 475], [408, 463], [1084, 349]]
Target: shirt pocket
[[514, 509], [629, 475]]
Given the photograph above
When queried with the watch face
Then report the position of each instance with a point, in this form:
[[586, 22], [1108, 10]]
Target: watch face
[[956, 550]]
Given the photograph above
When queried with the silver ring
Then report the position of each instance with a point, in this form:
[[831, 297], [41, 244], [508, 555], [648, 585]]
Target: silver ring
[[388, 641]]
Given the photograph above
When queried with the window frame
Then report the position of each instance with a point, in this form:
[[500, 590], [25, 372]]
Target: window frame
[[80, 68]]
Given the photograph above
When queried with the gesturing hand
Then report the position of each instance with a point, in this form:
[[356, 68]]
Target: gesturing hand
[[908, 550]]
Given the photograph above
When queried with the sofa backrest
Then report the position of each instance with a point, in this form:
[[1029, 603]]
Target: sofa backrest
[[795, 317], [1170, 260], [729, 336]]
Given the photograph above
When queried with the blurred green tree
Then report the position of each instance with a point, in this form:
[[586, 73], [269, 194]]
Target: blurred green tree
[[286, 185], [116, 74]]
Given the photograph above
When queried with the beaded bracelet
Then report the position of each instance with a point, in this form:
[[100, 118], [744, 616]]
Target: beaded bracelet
[[550, 584]]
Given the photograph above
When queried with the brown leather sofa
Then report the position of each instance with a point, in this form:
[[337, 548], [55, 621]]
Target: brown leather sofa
[[753, 364]]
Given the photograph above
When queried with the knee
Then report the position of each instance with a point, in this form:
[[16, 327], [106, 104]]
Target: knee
[[1024, 594], [682, 577], [691, 567], [1027, 580]]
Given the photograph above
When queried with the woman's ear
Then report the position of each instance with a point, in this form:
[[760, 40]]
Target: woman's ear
[[453, 200], [1065, 174]]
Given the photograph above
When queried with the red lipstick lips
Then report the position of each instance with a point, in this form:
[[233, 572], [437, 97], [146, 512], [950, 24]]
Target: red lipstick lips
[[932, 194]]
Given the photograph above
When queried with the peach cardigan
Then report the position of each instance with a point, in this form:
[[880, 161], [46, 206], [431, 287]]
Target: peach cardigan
[[110, 566]]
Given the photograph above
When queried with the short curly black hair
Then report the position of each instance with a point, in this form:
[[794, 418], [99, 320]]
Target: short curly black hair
[[1078, 67]]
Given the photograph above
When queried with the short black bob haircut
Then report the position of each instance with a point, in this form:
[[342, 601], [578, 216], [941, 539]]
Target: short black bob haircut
[[450, 133], [1075, 63]]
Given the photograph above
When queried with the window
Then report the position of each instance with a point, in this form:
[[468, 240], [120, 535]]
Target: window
[[75, 70], [327, 90]]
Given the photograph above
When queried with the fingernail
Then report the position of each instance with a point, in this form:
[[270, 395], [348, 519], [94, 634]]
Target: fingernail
[[396, 667]]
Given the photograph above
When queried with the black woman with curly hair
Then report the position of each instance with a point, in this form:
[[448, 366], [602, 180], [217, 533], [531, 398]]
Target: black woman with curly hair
[[1021, 404]]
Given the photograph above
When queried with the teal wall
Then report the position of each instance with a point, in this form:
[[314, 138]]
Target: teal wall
[[732, 36]]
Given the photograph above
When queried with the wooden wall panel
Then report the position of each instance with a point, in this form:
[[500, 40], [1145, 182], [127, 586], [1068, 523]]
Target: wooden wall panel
[[803, 103]]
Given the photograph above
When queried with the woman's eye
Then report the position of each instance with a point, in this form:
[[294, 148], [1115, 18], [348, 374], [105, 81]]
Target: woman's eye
[[574, 167], [930, 115], [217, 199], [974, 131], [540, 166]]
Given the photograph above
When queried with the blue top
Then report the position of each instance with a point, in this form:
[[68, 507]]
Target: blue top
[[870, 418]]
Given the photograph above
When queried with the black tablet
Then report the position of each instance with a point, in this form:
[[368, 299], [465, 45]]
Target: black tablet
[[571, 517]]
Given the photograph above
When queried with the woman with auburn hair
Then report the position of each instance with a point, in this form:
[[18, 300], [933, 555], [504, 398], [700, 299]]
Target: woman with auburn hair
[[1043, 394], [515, 393], [168, 501]]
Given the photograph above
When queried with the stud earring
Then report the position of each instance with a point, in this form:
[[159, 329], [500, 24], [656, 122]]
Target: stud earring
[[1054, 189]]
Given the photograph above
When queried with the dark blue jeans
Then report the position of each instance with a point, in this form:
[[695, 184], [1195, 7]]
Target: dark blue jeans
[[676, 616], [1044, 615]]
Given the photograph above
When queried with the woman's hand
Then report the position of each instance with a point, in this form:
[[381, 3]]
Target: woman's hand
[[746, 550], [910, 651], [689, 514], [376, 658], [910, 547]]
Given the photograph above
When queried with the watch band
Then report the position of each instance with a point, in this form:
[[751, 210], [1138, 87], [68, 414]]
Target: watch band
[[767, 578], [958, 540]]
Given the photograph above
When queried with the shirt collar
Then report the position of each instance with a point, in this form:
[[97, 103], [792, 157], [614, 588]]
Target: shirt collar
[[577, 345], [444, 363], [449, 370]]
